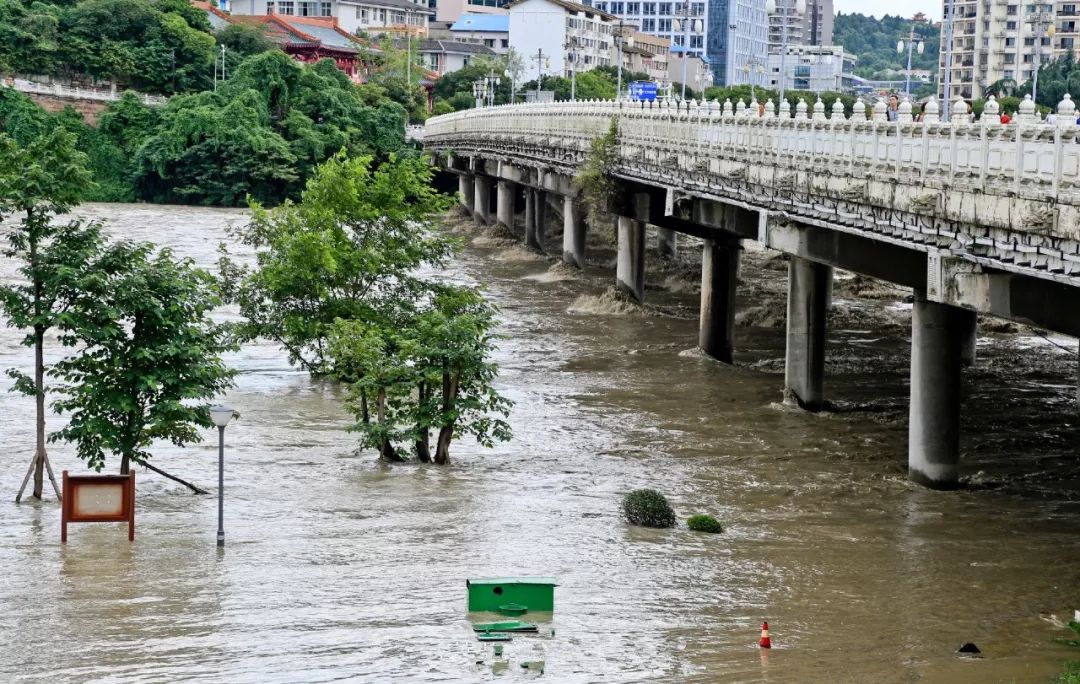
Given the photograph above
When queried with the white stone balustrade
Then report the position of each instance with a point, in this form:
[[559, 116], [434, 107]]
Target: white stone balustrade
[[1023, 176]]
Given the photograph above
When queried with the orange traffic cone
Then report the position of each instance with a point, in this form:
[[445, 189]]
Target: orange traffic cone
[[765, 642]]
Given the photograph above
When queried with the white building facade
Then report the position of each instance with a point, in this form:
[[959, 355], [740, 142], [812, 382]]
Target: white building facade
[[353, 16], [815, 68], [545, 33], [1004, 39]]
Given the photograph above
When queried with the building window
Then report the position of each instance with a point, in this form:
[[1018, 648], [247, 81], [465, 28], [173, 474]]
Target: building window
[[665, 8], [285, 7], [648, 8], [1011, 10], [696, 42], [648, 25], [617, 7], [505, 42], [633, 8], [665, 25], [698, 8], [270, 7], [307, 9], [325, 9], [489, 42], [1009, 74], [1010, 25]]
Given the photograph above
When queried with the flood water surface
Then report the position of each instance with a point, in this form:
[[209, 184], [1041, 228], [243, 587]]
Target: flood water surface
[[338, 567]]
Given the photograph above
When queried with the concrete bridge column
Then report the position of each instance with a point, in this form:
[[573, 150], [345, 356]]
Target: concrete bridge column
[[809, 285], [667, 243], [482, 200], [535, 216], [937, 335], [465, 189], [504, 211], [573, 241], [719, 275], [971, 339], [630, 262]]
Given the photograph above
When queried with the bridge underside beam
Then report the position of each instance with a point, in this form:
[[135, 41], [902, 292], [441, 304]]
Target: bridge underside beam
[[882, 260], [1043, 303]]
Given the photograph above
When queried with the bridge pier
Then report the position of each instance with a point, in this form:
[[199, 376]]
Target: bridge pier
[[482, 200], [971, 339], [504, 211], [667, 243], [535, 216], [937, 336], [630, 261], [573, 240], [465, 189], [719, 276], [809, 286]]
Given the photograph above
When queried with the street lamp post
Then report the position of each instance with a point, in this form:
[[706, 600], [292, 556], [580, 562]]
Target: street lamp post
[[618, 59], [915, 42], [221, 415], [946, 111], [1040, 21], [771, 8], [685, 23]]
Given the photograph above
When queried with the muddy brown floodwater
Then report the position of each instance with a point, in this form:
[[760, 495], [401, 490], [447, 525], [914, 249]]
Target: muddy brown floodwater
[[341, 568]]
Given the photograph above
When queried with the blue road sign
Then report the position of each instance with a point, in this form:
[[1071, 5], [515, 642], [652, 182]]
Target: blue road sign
[[643, 90]]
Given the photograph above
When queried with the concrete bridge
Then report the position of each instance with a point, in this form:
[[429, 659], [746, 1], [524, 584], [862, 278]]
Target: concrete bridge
[[976, 217]]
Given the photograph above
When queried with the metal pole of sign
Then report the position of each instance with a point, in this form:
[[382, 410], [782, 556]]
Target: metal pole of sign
[[221, 487]]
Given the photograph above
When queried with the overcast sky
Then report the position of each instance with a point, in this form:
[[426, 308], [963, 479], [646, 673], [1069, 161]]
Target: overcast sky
[[905, 8]]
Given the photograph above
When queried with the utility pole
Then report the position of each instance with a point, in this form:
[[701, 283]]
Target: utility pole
[[408, 51], [688, 22], [223, 64], [1040, 21], [915, 42], [618, 60]]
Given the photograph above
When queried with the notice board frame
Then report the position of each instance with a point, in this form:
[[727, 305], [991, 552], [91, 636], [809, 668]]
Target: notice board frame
[[68, 513]]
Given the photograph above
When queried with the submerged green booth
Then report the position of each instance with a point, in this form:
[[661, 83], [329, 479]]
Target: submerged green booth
[[537, 594]]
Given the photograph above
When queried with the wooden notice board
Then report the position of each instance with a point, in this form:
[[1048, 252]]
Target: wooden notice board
[[98, 498]]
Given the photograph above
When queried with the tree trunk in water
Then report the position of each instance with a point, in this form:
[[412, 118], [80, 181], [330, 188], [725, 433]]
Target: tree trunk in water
[[125, 464], [386, 449], [39, 397], [446, 432], [423, 449], [364, 407], [423, 437], [195, 488], [442, 447]]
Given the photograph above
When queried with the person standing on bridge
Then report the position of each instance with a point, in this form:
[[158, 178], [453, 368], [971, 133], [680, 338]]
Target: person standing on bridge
[[893, 112]]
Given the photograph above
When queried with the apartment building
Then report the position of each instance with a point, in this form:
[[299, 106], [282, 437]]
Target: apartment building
[[813, 27], [1003, 39], [555, 36], [490, 30]]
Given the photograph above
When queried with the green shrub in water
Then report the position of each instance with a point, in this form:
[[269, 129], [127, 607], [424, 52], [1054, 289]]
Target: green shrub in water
[[704, 523], [648, 508]]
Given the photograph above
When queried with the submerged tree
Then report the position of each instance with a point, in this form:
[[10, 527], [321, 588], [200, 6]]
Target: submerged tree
[[38, 182], [148, 357], [432, 373], [350, 250]]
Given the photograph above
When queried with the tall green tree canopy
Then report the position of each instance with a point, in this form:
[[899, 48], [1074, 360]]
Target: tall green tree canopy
[[349, 249], [147, 356]]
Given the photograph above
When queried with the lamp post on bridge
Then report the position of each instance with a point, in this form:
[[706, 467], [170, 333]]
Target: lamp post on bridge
[[685, 21], [221, 415], [1040, 21], [916, 43]]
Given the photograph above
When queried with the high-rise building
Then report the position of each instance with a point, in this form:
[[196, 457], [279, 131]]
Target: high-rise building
[[737, 43], [813, 27], [995, 40], [727, 34]]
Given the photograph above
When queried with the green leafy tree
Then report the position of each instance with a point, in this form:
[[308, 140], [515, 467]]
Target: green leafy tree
[[429, 370], [148, 357], [450, 346], [349, 249], [37, 182], [873, 42]]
